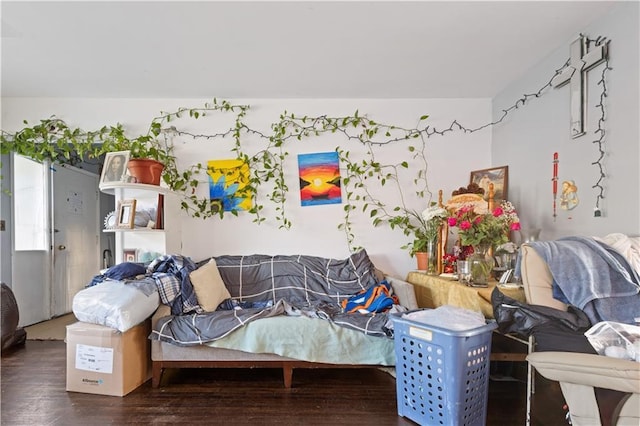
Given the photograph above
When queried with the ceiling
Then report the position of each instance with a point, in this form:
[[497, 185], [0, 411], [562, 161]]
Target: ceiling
[[287, 49]]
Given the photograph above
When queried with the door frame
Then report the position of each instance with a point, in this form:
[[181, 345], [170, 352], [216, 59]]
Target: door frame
[[39, 296]]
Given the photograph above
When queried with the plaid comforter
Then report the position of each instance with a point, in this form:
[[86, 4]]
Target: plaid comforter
[[290, 285], [171, 274]]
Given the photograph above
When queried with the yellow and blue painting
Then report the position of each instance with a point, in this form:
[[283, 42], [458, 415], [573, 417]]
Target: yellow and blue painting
[[319, 176], [228, 181]]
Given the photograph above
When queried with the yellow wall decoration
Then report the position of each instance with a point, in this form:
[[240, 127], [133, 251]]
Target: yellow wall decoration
[[228, 184]]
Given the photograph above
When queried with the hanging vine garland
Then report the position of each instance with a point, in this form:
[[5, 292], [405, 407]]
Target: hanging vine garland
[[267, 166]]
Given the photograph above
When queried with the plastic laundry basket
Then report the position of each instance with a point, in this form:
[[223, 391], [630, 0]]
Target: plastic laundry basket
[[442, 376]]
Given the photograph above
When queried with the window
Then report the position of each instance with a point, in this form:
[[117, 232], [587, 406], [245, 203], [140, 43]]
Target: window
[[29, 204]]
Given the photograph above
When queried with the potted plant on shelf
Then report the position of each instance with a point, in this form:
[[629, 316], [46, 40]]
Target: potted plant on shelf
[[149, 157], [52, 139], [426, 231]]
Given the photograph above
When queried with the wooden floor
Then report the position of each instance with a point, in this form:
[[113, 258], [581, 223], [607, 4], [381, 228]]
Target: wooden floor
[[33, 394]]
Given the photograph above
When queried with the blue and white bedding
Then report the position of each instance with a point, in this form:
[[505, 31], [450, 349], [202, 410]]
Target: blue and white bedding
[[275, 288], [116, 303], [279, 285], [309, 339]]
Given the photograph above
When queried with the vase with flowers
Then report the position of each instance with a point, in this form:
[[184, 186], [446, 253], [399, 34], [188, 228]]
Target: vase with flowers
[[484, 229], [449, 261], [426, 234]]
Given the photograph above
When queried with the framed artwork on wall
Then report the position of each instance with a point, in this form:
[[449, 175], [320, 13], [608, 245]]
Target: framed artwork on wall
[[114, 168], [126, 214], [498, 176], [229, 184], [129, 255], [319, 177]]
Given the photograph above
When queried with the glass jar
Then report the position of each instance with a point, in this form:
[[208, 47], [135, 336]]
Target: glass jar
[[432, 257], [464, 271], [481, 264]]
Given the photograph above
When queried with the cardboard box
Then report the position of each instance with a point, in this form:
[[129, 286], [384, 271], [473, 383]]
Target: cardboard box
[[104, 361]]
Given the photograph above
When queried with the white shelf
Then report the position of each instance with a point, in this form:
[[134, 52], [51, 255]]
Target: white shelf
[[164, 241], [110, 188], [141, 230]]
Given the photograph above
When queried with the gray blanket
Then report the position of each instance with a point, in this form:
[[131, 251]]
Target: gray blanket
[[592, 276], [263, 286]]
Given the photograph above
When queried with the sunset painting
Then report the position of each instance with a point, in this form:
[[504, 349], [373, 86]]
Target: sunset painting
[[319, 179]]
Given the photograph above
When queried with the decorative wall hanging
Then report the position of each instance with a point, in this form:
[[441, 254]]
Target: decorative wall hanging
[[582, 60], [228, 180], [110, 220], [554, 181], [569, 198], [319, 179]]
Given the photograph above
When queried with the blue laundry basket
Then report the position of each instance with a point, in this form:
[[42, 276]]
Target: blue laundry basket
[[442, 376]]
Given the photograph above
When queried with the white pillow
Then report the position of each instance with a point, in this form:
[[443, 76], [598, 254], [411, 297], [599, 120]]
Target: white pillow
[[114, 304], [209, 287]]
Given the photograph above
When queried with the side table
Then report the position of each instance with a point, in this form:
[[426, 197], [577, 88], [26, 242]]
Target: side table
[[433, 291]]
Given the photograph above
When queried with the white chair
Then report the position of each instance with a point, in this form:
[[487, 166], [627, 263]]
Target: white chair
[[599, 390]]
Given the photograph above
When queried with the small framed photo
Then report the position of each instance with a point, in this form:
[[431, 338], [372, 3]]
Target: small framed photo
[[498, 176], [129, 255], [114, 168], [126, 214]]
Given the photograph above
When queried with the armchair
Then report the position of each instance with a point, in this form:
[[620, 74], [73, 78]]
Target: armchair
[[599, 390]]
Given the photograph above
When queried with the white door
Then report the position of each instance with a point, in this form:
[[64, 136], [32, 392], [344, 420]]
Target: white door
[[45, 279], [76, 242]]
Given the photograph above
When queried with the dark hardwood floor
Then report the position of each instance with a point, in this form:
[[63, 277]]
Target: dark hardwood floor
[[33, 393]]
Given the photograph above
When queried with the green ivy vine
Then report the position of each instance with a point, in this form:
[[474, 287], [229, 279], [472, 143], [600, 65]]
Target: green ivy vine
[[53, 140]]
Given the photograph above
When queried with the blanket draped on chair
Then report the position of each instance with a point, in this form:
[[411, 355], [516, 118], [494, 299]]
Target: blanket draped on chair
[[592, 276]]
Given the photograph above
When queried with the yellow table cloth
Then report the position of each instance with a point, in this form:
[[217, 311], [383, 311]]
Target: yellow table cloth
[[433, 291]]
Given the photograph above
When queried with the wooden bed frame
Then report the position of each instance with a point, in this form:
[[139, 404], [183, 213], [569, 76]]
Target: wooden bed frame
[[287, 367], [165, 355]]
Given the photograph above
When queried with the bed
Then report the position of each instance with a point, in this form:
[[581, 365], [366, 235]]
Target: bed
[[264, 311]]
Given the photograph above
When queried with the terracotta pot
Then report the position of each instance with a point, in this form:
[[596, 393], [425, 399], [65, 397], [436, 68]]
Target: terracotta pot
[[422, 257], [145, 170]]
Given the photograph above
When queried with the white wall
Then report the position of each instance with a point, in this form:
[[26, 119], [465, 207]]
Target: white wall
[[314, 230], [527, 140]]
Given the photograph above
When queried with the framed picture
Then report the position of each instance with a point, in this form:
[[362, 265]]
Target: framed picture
[[498, 176], [129, 255], [126, 214], [114, 168]]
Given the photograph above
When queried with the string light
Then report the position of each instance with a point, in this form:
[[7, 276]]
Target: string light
[[600, 130], [429, 131], [505, 112]]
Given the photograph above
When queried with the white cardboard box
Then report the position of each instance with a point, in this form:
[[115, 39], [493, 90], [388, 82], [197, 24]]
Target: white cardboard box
[[104, 361]]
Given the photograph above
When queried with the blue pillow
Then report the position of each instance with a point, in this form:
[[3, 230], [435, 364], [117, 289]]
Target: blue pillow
[[125, 270]]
